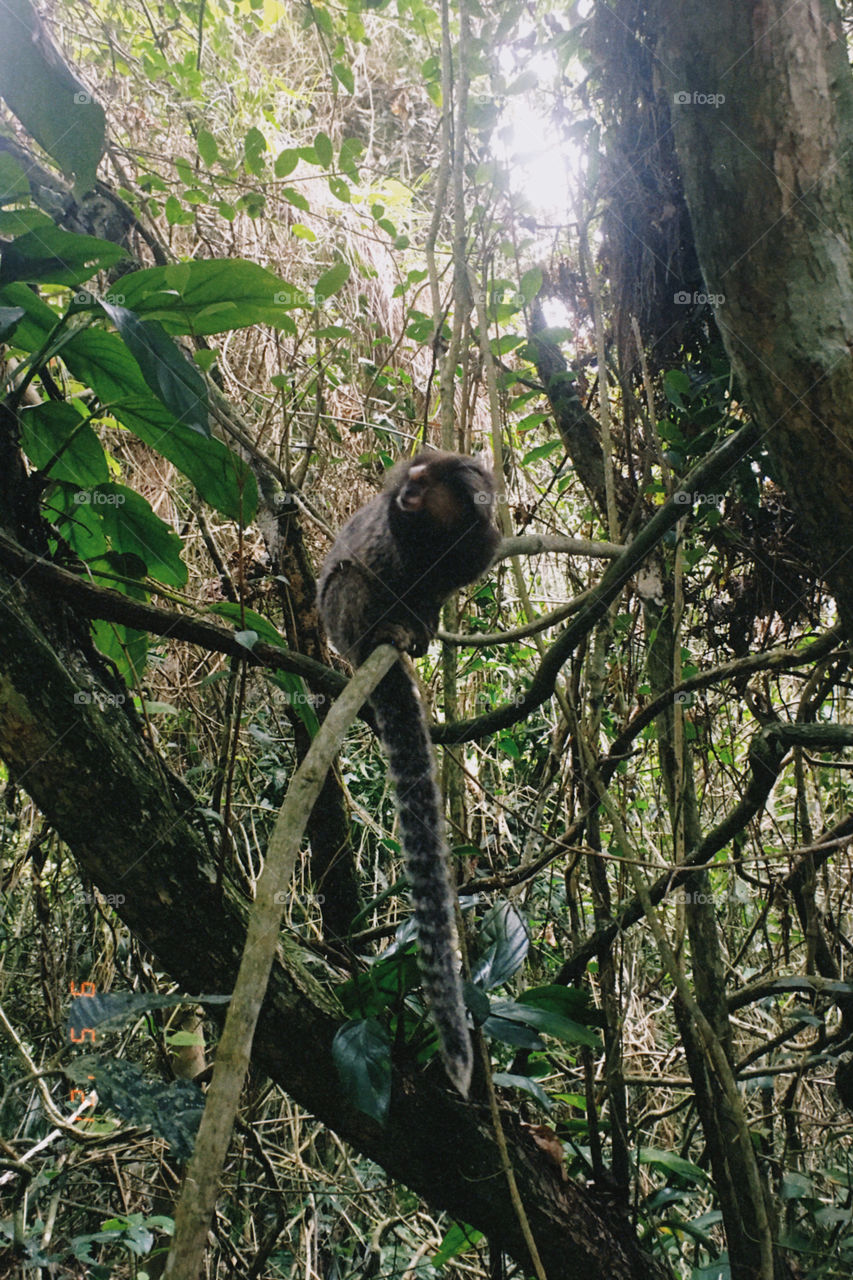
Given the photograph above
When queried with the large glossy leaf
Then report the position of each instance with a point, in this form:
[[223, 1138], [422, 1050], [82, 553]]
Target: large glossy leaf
[[503, 942], [57, 430], [509, 1080], [9, 317], [166, 370], [126, 647], [512, 1031], [38, 319], [458, 1239], [209, 296], [172, 1110], [670, 1162], [101, 360], [545, 1021], [48, 99], [362, 1055], [134, 529], [13, 180], [570, 1002], [382, 984], [49, 255]]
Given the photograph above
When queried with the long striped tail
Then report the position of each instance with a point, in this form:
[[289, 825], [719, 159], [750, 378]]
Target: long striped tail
[[403, 729]]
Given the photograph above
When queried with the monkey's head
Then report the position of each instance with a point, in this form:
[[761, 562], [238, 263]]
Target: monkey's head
[[446, 490]]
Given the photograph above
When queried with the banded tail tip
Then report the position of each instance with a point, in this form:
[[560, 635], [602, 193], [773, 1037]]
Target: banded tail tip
[[459, 1067]]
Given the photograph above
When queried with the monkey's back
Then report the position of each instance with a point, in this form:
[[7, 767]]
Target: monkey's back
[[398, 558], [363, 587]]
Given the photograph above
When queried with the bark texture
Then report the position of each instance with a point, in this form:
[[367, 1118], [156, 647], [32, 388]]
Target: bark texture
[[761, 98]]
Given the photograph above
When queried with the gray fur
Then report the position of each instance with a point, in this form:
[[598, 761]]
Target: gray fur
[[392, 567]]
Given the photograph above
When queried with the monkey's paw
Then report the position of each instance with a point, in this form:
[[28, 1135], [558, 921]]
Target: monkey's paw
[[402, 638]]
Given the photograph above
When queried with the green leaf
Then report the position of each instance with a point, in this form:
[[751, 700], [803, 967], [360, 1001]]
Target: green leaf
[[513, 1031], [344, 76], [207, 148], [796, 1186], [134, 529], [323, 149], [339, 189], [57, 428], [676, 385], [510, 1080], [184, 171], [170, 375], [172, 1110], [530, 421], [301, 232], [569, 1002], [208, 296], [125, 647], [13, 180], [285, 162], [296, 198], [48, 99], [205, 359], [545, 1021], [300, 699], [351, 152], [457, 1240], [9, 317], [362, 1054], [503, 942], [254, 146], [334, 331], [331, 281], [530, 284], [15, 222], [176, 214], [222, 478], [669, 1162], [542, 451], [381, 985], [53, 256], [101, 361]]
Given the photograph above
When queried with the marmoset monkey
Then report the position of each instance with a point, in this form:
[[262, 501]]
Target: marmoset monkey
[[392, 567]]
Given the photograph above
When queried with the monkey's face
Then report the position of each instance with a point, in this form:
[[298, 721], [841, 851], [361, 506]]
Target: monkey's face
[[412, 495], [445, 491]]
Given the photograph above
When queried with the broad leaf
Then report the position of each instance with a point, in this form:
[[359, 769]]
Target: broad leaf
[[209, 296], [222, 479], [362, 1054], [503, 943], [173, 1110], [545, 1021], [50, 255], [56, 430], [167, 371], [9, 317], [332, 280], [50, 102]]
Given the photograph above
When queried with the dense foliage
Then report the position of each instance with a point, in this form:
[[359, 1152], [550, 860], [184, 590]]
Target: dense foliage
[[320, 235]]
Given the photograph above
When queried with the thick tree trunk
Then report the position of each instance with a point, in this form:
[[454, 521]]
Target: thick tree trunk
[[761, 98], [70, 742]]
